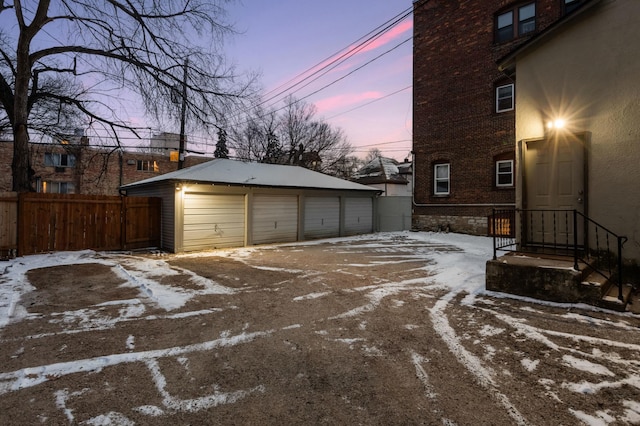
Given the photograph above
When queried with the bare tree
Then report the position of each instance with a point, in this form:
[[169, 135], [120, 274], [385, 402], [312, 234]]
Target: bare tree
[[292, 135], [72, 54], [255, 139], [372, 154]]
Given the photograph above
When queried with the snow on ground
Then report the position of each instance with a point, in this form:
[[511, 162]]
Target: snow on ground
[[457, 267]]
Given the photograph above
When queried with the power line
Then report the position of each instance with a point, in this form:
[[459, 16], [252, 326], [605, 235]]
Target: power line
[[370, 102], [388, 25], [359, 45]]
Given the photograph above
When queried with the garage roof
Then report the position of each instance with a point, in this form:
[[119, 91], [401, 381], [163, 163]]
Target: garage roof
[[232, 172]]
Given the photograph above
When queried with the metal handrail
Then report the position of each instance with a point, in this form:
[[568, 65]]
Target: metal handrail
[[557, 232]]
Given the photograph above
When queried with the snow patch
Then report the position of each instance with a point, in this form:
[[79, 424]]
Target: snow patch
[[584, 365]]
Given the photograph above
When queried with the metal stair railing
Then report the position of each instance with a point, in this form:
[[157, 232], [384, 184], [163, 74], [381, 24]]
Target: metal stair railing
[[560, 232]]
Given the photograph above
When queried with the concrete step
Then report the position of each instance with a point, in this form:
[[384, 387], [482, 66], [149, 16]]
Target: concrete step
[[611, 301]]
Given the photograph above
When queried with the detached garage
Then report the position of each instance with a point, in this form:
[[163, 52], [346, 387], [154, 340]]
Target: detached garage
[[227, 203]]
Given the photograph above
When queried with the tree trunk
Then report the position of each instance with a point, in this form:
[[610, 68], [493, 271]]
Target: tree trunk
[[21, 166]]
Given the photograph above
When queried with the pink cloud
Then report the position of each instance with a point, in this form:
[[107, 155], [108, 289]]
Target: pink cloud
[[335, 103], [381, 41], [387, 37]]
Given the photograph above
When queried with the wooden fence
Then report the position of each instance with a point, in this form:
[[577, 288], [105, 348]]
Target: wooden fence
[[33, 223]]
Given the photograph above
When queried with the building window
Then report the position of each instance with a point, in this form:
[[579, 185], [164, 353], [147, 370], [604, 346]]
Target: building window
[[571, 5], [57, 187], [59, 160], [504, 98], [148, 166], [504, 173], [441, 179], [515, 22]]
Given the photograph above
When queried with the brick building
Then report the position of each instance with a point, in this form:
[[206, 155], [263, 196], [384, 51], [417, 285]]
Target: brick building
[[464, 107], [76, 167]]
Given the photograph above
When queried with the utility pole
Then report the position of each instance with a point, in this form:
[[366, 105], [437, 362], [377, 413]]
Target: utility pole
[[183, 114]]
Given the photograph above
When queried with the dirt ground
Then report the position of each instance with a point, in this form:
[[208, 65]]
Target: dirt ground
[[342, 332]]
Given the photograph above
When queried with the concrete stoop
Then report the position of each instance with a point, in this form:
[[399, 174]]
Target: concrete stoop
[[553, 279]]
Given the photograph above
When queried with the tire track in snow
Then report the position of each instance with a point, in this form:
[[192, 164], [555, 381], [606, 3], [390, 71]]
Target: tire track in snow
[[471, 362]]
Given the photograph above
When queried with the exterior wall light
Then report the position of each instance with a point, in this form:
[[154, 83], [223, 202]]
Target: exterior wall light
[[556, 124]]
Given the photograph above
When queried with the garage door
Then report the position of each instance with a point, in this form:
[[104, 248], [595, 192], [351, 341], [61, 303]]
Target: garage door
[[321, 217], [358, 216], [275, 219], [213, 221]]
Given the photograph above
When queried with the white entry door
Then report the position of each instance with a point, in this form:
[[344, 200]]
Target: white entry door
[[554, 181]]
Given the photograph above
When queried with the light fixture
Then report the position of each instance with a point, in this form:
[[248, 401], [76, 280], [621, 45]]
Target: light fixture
[[556, 124]]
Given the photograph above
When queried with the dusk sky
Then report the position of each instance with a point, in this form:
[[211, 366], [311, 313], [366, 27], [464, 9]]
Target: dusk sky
[[368, 95], [285, 38]]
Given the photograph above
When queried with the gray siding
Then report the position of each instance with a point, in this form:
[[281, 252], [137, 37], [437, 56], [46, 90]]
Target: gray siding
[[393, 214], [168, 220]]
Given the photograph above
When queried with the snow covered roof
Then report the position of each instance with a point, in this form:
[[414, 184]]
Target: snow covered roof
[[381, 170], [234, 172]]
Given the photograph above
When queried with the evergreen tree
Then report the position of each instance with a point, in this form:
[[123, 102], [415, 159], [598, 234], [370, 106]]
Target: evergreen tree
[[221, 146]]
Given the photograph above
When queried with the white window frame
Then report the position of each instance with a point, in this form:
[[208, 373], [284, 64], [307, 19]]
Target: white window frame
[[437, 180], [510, 173], [499, 98]]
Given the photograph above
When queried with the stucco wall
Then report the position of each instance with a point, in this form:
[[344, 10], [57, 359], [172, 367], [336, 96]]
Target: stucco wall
[[588, 73]]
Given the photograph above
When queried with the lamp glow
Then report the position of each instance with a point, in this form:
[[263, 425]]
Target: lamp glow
[[556, 124]]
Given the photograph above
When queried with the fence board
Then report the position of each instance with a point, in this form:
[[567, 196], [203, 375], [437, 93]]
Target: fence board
[[142, 222], [38, 223], [8, 224]]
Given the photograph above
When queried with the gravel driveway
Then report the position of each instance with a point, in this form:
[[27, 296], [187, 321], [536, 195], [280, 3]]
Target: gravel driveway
[[382, 329]]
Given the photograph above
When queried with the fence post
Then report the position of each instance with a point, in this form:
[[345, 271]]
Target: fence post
[[493, 230], [575, 239], [620, 297], [123, 223], [20, 224]]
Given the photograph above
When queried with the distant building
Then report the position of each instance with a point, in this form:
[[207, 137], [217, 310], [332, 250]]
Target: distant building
[[394, 179], [388, 175], [164, 143], [73, 166]]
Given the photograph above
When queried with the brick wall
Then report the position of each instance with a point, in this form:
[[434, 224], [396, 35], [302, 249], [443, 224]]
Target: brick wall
[[97, 171], [454, 118]]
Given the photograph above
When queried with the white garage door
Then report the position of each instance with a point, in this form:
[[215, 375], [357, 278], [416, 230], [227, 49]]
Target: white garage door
[[213, 221], [358, 216], [321, 217], [275, 219]]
